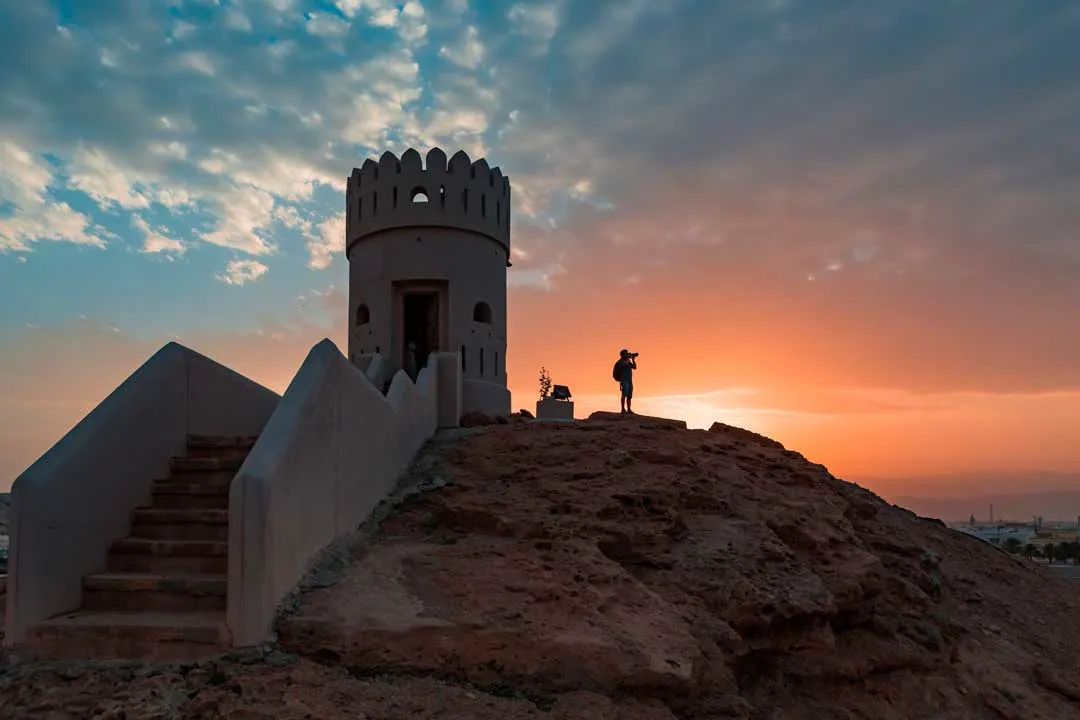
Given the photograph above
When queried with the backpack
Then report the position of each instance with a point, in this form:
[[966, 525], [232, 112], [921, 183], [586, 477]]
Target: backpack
[[617, 371]]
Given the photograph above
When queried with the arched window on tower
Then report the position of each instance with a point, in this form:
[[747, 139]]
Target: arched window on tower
[[418, 195], [482, 313], [363, 315]]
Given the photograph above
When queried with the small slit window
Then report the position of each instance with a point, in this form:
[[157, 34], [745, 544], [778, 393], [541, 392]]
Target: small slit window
[[481, 361], [482, 313], [363, 315], [462, 358]]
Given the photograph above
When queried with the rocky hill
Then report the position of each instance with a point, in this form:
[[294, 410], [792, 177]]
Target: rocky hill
[[627, 568]]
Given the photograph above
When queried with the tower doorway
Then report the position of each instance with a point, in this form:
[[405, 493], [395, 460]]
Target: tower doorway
[[421, 326]]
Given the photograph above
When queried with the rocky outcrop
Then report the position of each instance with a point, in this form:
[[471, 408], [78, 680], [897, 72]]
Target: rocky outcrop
[[626, 567]]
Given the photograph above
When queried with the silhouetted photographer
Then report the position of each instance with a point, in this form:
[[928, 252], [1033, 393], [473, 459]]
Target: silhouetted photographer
[[623, 373]]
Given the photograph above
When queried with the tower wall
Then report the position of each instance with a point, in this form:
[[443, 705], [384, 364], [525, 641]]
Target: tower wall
[[456, 245], [463, 195]]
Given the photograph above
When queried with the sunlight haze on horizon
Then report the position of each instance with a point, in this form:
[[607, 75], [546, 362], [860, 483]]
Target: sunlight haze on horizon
[[853, 227]]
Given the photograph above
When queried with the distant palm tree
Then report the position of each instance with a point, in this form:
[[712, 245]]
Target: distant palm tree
[[1031, 550], [1013, 545], [1063, 551], [1048, 552]]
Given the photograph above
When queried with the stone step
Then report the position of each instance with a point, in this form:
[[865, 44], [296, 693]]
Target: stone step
[[172, 557], [179, 496], [217, 442], [204, 469], [129, 636], [146, 592], [184, 524], [181, 487], [207, 446]]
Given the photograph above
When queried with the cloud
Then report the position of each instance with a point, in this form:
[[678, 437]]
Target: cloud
[[32, 216], [327, 25], [235, 19], [156, 239], [468, 51], [241, 272], [535, 20], [92, 172], [247, 213], [233, 139], [409, 18], [329, 242]]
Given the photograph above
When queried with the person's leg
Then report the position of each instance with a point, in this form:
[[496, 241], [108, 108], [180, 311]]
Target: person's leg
[[629, 397], [622, 396]]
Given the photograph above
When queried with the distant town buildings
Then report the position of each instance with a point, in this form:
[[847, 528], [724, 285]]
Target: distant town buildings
[[1051, 541]]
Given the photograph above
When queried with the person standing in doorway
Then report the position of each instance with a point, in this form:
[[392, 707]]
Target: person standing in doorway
[[624, 373], [411, 368]]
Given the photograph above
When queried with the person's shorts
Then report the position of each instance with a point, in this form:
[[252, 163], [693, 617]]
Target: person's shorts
[[627, 387]]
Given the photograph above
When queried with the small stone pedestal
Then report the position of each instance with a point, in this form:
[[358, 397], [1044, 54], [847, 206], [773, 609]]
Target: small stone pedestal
[[552, 409]]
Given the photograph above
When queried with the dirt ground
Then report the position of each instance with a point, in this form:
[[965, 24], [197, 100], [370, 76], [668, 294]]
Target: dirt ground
[[625, 567]]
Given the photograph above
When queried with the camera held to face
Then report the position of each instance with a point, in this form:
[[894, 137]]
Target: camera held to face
[[632, 356]]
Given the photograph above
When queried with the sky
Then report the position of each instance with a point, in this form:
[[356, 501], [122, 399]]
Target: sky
[[851, 226]]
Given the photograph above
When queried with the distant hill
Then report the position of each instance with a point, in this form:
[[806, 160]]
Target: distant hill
[[1059, 505], [1015, 495]]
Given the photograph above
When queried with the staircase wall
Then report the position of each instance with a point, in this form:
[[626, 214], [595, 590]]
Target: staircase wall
[[69, 506], [334, 448]]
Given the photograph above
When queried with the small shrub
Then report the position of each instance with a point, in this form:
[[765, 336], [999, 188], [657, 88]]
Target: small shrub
[[545, 383]]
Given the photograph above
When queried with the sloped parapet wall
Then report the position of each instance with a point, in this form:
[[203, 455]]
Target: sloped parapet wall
[[76, 500], [379, 371], [332, 451]]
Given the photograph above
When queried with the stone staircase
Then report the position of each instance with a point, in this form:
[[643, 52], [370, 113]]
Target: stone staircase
[[162, 594]]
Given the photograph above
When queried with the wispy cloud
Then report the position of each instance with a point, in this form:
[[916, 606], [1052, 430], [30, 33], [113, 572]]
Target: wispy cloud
[[241, 272]]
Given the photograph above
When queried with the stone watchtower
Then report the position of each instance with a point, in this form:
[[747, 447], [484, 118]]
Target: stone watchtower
[[428, 246]]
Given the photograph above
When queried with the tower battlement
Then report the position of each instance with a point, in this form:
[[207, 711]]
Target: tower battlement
[[409, 192]]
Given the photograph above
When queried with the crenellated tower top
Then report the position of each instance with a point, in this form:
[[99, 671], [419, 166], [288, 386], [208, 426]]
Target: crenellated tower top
[[459, 194]]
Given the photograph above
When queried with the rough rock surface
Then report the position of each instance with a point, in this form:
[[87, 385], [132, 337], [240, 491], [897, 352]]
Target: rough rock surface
[[629, 568]]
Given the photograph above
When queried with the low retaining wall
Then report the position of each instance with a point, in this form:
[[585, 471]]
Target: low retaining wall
[[334, 448], [76, 500], [485, 397]]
